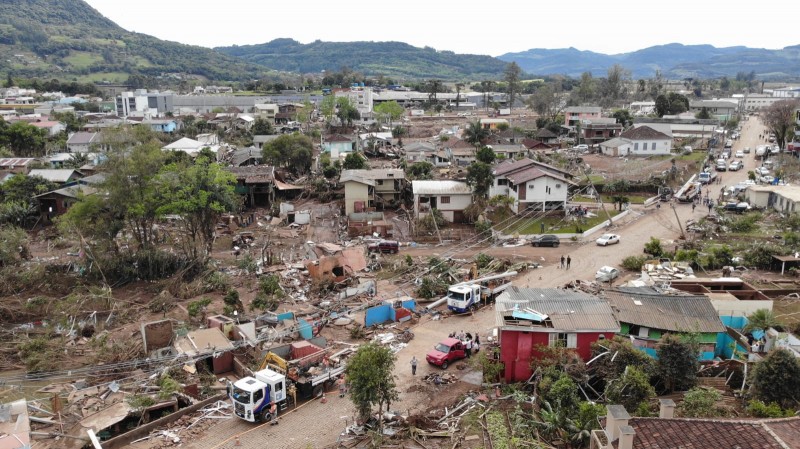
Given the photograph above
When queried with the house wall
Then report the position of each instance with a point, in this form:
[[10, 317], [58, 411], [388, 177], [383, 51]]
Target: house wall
[[621, 150], [637, 148], [355, 191], [539, 190], [517, 349], [337, 148], [449, 210], [707, 340], [757, 199]]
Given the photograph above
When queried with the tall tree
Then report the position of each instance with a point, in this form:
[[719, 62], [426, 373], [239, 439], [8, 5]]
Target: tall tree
[[780, 118], [434, 87], [479, 176], [614, 86], [293, 151], [369, 372], [389, 111], [777, 378], [511, 75], [475, 133], [346, 111], [662, 105], [586, 90], [459, 86], [545, 101], [199, 193], [24, 140], [677, 362], [328, 108]]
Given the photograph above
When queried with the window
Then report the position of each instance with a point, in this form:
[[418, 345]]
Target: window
[[257, 396], [445, 200], [530, 186], [636, 146], [379, 182], [564, 340], [502, 182]]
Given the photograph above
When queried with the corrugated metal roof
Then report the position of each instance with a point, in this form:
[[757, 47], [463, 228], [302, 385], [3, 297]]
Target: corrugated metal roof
[[16, 161], [387, 173], [443, 187], [533, 173], [693, 313], [62, 175], [567, 310]]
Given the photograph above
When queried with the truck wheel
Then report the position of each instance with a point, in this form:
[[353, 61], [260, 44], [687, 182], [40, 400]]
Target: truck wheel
[[266, 416], [317, 391], [444, 365]]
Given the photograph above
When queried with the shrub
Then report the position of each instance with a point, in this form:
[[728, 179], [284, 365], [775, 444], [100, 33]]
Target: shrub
[[483, 260], [633, 263], [747, 223], [701, 403], [431, 288], [759, 255], [653, 247], [759, 409], [195, 307]]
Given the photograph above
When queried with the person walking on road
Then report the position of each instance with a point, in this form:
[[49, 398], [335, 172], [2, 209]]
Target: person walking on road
[[562, 261], [414, 365], [694, 204], [569, 260], [710, 206]]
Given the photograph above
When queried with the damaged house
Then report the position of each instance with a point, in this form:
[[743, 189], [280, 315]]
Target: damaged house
[[366, 190], [261, 185], [335, 263]]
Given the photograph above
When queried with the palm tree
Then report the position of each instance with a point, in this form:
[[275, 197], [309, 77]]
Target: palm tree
[[475, 133], [761, 319]]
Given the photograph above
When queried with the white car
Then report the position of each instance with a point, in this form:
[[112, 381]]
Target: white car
[[763, 171], [747, 150], [607, 239], [767, 179], [581, 147], [740, 153], [606, 274]]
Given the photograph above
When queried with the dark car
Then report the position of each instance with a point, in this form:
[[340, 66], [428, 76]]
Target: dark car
[[385, 246], [546, 240]]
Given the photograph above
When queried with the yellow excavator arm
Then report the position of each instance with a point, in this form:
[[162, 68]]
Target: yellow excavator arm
[[273, 361]]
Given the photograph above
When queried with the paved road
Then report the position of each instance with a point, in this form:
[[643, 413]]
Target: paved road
[[316, 424]]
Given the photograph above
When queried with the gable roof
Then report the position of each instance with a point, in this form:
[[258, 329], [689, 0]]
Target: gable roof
[[55, 175], [338, 138], [545, 133], [533, 144], [531, 173], [507, 167], [616, 142], [387, 173], [444, 187], [81, 138], [643, 132], [656, 433], [566, 310], [243, 155], [185, 143], [419, 146], [254, 174], [16, 161], [684, 313]]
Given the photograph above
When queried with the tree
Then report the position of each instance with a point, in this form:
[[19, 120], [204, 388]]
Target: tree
[[479, 176], [761, 319], [614, 84], [777, 378], [434, 87], [293, 151], [354, 161], [677, 362], [703, 114], [677, 103], [780, 118], [328, 108], [459, 86], [420, 170], [662, 105], [369, 372], [618, 353], [389, 111], [545, 101], [262, 127], [631, 389], [586, 90], [653, 247], [13, 246], [511, 75], [623, 117], [199, 193], [475, 133], [19, 205], [346, 111], [485, 155], [24, 140]]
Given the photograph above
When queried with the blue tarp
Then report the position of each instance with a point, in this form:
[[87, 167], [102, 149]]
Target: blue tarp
[[305, 329], [385, 312]]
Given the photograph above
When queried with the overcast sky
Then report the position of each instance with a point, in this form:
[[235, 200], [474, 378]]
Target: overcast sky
[[491, 28]]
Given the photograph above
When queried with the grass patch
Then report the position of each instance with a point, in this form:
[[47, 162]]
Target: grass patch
[[556, 225], [594, 178], [112, 77], [695, 156], [607, 199], [82, 59]]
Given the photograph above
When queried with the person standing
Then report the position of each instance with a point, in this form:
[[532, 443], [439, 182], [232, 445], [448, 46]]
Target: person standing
[[562, 261], [476, 345], [569, 260], [414, 365], [694, 204], [273, 410], [468, 348]]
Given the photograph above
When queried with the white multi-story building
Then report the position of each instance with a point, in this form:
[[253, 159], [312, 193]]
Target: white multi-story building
[[360, 96], [144, 104]]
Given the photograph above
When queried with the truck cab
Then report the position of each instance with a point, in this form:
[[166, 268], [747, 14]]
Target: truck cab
[[253, 396], [461, 298]]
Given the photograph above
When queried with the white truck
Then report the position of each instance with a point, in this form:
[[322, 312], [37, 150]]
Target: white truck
[[466, 296], [761, 151], [253, 397]]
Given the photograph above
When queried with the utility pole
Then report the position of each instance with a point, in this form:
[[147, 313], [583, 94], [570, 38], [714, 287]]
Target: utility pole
[[680, 226]]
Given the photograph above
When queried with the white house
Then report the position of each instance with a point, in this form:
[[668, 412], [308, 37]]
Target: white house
[[338, 146], [782, 198], [638, 141], [449, 197], [189, 146], [533, 185]]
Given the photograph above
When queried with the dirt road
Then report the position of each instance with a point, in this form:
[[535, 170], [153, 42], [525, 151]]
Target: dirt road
[[318, 424]]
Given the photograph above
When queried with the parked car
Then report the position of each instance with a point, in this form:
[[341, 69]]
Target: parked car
[[739, 153], [546, 240], [607, 239], [746, 150], [721, 165], [384, 246], [735, 166], [733, 206], [606, 274], [763, 171], [446, 352], [581, 147], [767, 179]]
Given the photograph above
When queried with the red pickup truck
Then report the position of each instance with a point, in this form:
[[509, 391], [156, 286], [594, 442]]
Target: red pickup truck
[[446, 352]]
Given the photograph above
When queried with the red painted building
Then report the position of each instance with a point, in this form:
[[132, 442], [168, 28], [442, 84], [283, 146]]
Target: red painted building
[[532, 317]]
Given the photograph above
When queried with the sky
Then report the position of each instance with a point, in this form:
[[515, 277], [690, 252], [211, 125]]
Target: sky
[[489, 28]]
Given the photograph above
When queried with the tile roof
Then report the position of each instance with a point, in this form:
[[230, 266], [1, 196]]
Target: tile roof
[[584, 109], [643, 132], [665, 312], [531, 173], [660, 433], [339, 138], [545, 133], [444, 187], [533, 144], [568, 310], [16, 161]]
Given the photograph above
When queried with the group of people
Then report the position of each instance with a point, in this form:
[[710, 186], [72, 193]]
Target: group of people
[[565, 262]]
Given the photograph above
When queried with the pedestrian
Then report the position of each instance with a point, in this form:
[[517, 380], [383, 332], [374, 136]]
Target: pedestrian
[[694, 204], [468, 348], [541, 227], [342, 386], [569, 260], [562, 261], [414, 366], [710, 206], [476, 345], [273, 411]]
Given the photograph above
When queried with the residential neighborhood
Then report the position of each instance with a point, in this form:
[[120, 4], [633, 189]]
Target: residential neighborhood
[[527, 261]]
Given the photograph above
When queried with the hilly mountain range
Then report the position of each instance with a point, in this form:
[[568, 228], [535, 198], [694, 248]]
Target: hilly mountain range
[[675, 61], [69, 38], [372, 58]]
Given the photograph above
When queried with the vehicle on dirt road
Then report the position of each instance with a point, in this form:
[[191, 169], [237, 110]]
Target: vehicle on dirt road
[[546, 240], [385, 246], [446, 352], [606, 274], [607, 239]]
